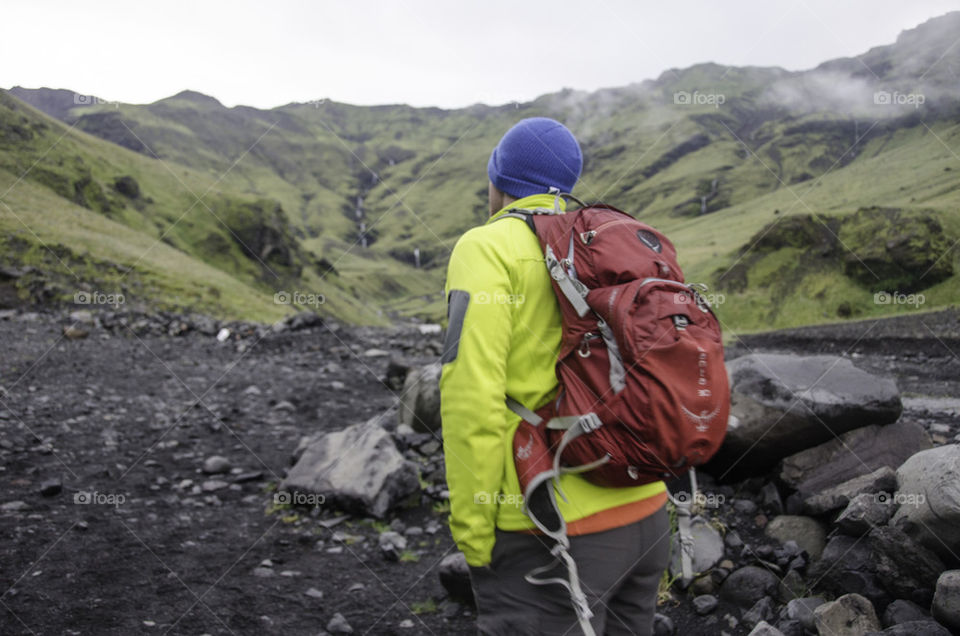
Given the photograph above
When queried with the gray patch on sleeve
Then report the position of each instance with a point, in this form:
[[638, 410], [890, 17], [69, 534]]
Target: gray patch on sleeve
[[457, 303]]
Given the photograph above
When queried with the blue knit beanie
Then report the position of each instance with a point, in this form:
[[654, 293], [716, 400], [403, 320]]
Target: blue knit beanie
[[535, 155]]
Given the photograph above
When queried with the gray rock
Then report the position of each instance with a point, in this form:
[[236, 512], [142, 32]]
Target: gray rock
[[846, 566], [314, 593], [749, 584], [339, 625], [882, 480], [358, 468], [849, 615], [761, 611], [707, 547], [420, 399], [392, 544], [216, 464], [213, 485], [764, 628], [455, 577], [263, 572], [853, 454], [770, 499], [791, 586], [807, 532], [801, 609], [863, 513], [903, 611], [51, 487], [744, 506], [929, 498], [663, 625], [904, 567], [946, 601], [705, 603], [885, 565], [791, 628], [928, 627], [784, 403]]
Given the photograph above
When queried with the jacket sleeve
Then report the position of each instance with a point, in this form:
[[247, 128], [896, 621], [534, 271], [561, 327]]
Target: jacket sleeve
[[472, 392]]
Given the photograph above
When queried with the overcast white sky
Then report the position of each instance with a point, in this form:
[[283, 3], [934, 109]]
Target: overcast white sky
[[420, 52]]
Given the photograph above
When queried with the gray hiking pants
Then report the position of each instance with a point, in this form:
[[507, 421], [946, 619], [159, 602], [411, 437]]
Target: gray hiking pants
[[619, 571]]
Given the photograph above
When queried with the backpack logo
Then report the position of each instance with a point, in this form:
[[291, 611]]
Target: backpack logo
[[702, 421], [524, 452], [650, 240]]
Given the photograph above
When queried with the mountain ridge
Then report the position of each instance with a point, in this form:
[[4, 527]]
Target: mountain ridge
[[361, 189]]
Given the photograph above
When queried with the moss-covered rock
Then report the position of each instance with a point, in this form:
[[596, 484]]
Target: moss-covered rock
[[892, 250]]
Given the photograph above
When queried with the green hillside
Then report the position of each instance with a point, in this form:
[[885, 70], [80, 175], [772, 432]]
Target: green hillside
[[797, 196]]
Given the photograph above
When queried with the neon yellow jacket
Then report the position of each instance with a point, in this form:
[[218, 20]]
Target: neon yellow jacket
[[507, 344]]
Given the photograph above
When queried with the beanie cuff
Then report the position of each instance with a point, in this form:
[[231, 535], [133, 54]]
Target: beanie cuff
[[516, 188]]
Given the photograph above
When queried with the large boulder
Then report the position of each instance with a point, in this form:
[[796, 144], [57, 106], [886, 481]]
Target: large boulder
[[929, 497], [785, 403], [881, 481], [849, 615], [806, 531], [854, 454], [420, 399], [946, 602], [884, 565], [358, 468], [864, 513]]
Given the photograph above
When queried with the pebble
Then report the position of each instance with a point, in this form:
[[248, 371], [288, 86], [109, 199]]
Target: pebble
[[339, 625], [216, 464], [313, 592], [705, 603], [51, 487], [213, 485], [263, 573], [357, 587]]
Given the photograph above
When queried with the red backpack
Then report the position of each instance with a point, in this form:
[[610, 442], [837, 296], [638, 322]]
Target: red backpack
[[644, 393]]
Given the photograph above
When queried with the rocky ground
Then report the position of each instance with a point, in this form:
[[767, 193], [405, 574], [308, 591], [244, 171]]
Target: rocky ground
[[140, 457]]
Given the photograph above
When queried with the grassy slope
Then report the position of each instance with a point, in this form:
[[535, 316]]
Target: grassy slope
[[420, 174]]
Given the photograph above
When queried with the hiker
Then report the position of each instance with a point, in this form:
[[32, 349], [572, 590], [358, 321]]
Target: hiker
[[503, 339]]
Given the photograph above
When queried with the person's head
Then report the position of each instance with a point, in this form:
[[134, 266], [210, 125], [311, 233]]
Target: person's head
[[538, 155]]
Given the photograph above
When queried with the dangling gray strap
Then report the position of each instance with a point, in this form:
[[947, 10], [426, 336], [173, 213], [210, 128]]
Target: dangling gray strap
[[572, 289], [523, 411], [618, 375], [580, 604], [684, 518]]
